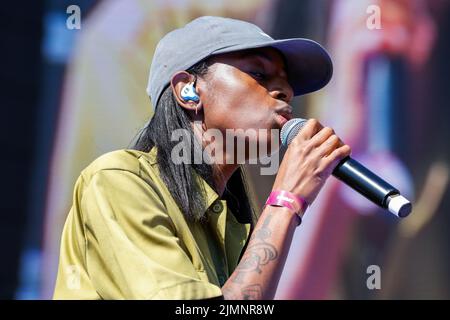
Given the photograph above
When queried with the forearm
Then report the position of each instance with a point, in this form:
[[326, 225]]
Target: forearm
[[258, 273]]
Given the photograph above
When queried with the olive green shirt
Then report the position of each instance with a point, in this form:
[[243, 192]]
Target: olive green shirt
[[125, 237]]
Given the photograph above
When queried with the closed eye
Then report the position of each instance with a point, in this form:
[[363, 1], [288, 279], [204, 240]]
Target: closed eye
[[258, 75]]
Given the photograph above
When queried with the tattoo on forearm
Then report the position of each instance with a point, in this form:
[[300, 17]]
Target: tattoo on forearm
[[229, 294], [252, 292], [258, 254]]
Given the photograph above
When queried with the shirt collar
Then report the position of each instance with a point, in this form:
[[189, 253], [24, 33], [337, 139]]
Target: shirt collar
[[211, 195]]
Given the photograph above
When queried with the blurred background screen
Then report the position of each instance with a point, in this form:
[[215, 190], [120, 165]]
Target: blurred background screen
[[73, 84]]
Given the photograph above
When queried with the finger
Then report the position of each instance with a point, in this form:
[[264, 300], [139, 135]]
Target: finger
[[321, 137], [338, 154], [311, 127], [332, 143]]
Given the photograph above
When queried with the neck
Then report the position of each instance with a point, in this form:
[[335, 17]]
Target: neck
[[222, 170], [222, 173]]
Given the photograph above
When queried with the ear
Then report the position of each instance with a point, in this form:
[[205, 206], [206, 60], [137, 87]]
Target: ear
[[178, 81]]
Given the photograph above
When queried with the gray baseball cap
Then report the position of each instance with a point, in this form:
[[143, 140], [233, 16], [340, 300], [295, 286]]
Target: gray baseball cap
[[308, 64]]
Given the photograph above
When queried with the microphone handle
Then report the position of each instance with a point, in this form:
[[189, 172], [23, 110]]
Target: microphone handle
[[358, 177]]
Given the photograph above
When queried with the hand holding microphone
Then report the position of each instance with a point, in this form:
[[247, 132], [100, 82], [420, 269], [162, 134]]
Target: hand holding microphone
[[310, 160], [318, 153]]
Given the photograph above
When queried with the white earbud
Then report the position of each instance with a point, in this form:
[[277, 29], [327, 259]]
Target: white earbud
[[188, 93]]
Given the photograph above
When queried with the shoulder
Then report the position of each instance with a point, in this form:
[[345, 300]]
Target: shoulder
[[124, 179], [121, 176], [119, 160]]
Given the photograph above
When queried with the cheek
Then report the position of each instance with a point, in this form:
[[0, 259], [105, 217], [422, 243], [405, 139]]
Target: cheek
[[236, 102]]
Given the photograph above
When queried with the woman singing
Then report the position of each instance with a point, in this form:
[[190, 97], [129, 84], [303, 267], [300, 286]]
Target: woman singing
[[144, 225]]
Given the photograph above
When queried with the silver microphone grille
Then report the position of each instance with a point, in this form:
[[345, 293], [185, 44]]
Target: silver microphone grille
[[290, 130]]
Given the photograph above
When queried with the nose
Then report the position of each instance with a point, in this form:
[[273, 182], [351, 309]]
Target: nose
[[282, 91]]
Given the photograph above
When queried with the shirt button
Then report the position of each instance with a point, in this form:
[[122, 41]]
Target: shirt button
[[217, 207]]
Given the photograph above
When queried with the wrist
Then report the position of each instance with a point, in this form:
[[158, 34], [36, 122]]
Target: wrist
[[286, 214], [288, 200]]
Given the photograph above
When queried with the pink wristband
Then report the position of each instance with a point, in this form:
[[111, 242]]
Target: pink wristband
[[288, 200]]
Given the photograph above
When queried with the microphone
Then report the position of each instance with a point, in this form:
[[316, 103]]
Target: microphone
[[356, 176]]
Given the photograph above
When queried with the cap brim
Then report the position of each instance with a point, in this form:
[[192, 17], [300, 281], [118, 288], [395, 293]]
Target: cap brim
[[309, 65]]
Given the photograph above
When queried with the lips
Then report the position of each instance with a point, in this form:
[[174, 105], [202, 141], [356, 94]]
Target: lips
[[283, 115], [282, 119]]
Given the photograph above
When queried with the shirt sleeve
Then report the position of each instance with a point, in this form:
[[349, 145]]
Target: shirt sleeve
[[132, 250]]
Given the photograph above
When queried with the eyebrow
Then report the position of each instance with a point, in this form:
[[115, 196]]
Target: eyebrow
[[249, 54]]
